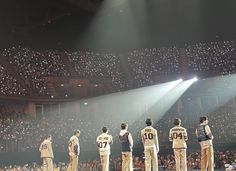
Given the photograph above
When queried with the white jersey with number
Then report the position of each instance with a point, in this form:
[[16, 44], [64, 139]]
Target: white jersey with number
[[74, 141], [149, 137], [46, 149], [178, 135], [103, 142]]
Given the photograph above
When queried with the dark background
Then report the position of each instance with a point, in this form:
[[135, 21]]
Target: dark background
[[123, 25]]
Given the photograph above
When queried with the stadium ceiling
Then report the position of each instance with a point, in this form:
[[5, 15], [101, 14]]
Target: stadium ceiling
[[97, 23], [72, 5], [29, 13]]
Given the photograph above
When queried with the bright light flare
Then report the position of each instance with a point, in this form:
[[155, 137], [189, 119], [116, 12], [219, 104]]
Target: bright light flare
[[194, 79]]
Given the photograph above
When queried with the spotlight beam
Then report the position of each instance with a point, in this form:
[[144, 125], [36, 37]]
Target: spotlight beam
[[165, 103]]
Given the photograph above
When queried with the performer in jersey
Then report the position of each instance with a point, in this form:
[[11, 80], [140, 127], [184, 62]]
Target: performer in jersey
[[47, 153], [151, 146], [126, 141], [103, 142], [205, 138], [74, 151], [178, 136]]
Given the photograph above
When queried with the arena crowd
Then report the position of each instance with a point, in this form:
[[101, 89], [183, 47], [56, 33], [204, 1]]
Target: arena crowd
[[135, 68]]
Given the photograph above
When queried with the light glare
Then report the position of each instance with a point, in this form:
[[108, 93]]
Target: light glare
[[195, 79]]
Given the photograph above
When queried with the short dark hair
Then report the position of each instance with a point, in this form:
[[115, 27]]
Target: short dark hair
[[177, 121], [48, 136], [203, 118], [148, 121], [104, 129], [123, 126], [76, 131]]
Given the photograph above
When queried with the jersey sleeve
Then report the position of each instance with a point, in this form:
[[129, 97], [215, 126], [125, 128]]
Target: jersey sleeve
[[50, 149], [196, 132], [156, 141], [97, 140], [185, 135], [130, 139], [142, 139], [170, 135], [111, 139], [40, 147], [208, 132]]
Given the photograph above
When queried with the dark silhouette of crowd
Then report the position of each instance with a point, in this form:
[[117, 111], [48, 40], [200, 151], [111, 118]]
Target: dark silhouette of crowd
[[223, 159]]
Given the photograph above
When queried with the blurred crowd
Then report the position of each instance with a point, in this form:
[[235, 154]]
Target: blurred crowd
[[223, 160], [134, 68], [145, 63], [218, 57], [9, 85], [88, 64], [35, 65]]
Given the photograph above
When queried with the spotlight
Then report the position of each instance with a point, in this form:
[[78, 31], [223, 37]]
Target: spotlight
[[194, 79], [189, 76]]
